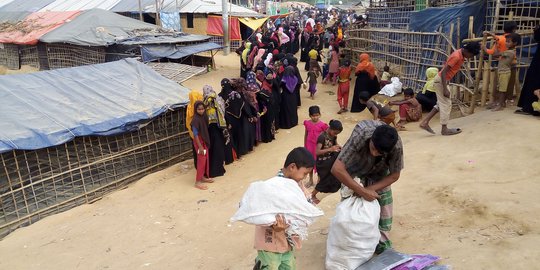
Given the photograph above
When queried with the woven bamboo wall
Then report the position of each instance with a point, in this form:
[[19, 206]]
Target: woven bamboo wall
[[38, 183], [64, 55]]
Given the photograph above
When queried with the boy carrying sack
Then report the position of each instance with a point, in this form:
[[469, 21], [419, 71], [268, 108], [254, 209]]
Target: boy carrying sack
[[280, 209]]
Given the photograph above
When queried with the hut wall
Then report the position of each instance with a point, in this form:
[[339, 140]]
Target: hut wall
[[9, 56], [64, 55], [38, 183], [29, 56], [199, 24]]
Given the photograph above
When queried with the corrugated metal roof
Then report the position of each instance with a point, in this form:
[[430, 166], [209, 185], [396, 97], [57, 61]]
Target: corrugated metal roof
[[5, 2], [69, 5], [133, 6], [25, 5], [200, 6]]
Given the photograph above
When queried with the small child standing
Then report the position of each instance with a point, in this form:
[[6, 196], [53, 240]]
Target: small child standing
[[379, 111], [312, 76], [505, 69], [536, 104], [274, 246], [314, 127], [344, 83], [201, 142], [410, 110], [327, 152]]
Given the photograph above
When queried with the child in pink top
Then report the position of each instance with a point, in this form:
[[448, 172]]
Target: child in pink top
[[314, 128]]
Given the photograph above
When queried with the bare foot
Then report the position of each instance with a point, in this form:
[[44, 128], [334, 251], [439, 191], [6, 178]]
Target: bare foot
[[498, 108], [201, 186], [451, 131], [207, 180], [427, 128], [315, 200]]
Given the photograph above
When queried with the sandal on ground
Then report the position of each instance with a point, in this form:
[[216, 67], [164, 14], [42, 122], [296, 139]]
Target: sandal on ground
[[428, 129], [452, 131]]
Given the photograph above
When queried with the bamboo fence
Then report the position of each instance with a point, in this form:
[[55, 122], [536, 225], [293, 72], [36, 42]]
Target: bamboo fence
[[38, 183], [409, 54]]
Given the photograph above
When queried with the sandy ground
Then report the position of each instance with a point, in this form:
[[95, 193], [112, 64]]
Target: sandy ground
[[471, 199]]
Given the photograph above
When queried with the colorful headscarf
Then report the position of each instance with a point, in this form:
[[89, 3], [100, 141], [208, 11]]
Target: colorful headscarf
[[282, 36], [258, 57], [290, 79], [194, 96], [245, 53], [215, 107], [268, 60], [365, 65], [252, 88], [430, 76]]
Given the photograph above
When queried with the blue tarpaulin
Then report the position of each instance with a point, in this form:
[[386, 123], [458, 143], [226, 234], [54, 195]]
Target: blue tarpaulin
[[154, 52], [44, 109], [430, 19]]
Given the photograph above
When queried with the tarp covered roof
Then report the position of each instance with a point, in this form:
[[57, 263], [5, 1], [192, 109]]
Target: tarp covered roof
[[49, 108], [27, 6], [34, 26], [95, 27], [153, 52]]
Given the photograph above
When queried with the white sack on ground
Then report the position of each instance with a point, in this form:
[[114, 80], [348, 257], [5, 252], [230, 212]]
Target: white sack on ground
[[392, 88]]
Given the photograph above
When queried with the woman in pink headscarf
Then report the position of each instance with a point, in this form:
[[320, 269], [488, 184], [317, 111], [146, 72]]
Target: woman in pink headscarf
[[258, 58]]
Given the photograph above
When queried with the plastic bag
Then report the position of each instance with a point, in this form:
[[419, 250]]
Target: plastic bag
[[392, 88]]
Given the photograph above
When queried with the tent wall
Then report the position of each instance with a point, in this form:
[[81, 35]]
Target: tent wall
[[38, 183]]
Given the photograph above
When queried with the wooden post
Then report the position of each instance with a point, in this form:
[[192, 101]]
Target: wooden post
[[485, 83], [450, 37], [493, 85], [458, 42], [477, 79]]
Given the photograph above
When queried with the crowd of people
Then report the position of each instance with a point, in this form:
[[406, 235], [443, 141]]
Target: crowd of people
[[250, 109]]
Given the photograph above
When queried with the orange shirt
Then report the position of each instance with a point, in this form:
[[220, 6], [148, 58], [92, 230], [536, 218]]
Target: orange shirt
[[500, 45], [454, 63], [345, 74]]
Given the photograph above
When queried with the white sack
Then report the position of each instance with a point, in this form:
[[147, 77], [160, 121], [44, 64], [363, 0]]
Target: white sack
[[263, 200], [392, 88], [353, 234]]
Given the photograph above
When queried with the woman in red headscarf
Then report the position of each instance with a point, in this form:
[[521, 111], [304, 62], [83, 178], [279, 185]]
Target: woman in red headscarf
[[366, 81]]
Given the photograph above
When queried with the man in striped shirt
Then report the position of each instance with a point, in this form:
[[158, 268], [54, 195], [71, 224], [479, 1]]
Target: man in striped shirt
[[374, 154]]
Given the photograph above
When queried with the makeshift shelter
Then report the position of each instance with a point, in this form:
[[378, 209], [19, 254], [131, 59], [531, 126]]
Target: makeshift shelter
[[69, 136], [49, 40], [412, 35], [196, 16]]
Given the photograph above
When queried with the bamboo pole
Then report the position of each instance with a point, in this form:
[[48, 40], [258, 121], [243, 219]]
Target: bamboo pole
[[485, 83], [477, 79], [458, 44]]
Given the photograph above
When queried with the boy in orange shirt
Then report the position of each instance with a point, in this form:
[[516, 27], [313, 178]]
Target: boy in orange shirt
[[440, 84]]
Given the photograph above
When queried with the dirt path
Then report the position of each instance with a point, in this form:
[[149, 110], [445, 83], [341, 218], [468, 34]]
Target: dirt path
[[471, 199]]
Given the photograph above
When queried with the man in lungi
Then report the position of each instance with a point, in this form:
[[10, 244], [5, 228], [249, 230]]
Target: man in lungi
[[374, 154]]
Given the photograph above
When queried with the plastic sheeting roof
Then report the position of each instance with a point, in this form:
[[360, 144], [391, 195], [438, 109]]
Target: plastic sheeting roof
[[50, 108], [133, 6], [153, 52], [95, 27], [31, 29]]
